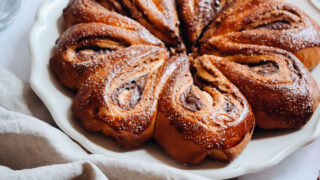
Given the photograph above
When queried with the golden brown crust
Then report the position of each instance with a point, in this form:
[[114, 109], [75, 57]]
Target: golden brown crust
[[121, 99], [85, 47], [268, 23], [281, 91], [309, 56], [84, 11], [159, 17], [201, 115], [111, 53], [197, 14]]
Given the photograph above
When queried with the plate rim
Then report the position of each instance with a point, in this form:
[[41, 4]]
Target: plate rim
[[39, 23], [315, 4]]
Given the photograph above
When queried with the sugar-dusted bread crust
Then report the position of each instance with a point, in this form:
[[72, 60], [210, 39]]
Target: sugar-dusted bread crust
[[280, 90], [196, 75], [269, 23], [188, 152], [202, 115], [159, 17], [309, 56], [121, 99], [86, 47]]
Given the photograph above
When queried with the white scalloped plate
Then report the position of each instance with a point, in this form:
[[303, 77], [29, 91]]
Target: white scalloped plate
[[316, 3], [266, 149]]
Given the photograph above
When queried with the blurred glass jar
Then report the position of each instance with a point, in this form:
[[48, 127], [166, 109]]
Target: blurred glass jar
[[8, 12]]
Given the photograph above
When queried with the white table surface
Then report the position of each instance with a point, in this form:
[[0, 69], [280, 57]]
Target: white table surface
[[304, 164]]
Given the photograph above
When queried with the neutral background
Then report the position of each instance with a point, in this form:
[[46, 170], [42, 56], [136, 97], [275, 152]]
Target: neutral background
[[14, 56]]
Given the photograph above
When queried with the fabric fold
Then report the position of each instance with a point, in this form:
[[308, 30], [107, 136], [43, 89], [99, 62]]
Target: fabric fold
[[32, 147]]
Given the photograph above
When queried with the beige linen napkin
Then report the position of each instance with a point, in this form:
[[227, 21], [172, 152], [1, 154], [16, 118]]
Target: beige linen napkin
[[32, 147]]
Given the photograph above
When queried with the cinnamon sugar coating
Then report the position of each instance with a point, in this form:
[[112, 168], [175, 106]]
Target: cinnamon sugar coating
[[280, 90], [219, 123], [247, 66], [270, 23]]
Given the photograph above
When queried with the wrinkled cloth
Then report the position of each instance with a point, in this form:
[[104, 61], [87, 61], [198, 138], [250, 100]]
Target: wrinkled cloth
[[32, 147]]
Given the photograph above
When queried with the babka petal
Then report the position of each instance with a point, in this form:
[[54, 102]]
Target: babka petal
[[128, 63], [86, 11], [280, 90], [195, 15], [269, 23], [121, 99], [85, 47], [202, 115], [159, 17]]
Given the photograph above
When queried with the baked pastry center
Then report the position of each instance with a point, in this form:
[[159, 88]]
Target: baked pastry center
[[195, 75]]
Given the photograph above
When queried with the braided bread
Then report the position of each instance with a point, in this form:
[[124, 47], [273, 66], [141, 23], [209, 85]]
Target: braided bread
[[247, 66]]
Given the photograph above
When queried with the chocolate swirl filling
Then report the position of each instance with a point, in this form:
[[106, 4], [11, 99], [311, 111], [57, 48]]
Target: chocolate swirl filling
[[275, 25], [129, 94], [263, 68], [90, 53], [229, 107], [190, 101]]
